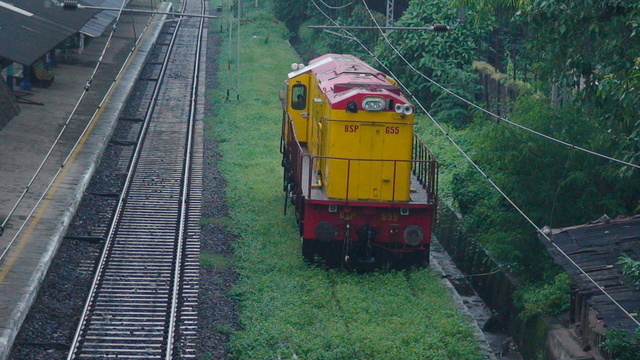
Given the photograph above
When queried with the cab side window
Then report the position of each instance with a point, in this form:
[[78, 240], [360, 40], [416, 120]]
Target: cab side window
[[299, 97]]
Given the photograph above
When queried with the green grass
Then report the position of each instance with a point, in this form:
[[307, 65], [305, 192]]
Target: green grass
[[287, 308], [216, 260]]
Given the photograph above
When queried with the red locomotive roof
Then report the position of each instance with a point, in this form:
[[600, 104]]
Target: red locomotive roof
[[345, 77]]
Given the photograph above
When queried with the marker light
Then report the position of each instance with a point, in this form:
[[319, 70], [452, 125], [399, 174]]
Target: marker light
[[295, 66], [405, 109]]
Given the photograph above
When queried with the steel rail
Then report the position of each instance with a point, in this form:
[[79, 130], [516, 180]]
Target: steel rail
[[185, 186], [144, 252]]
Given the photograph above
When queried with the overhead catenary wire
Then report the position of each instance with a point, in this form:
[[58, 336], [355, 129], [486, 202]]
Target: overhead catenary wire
[[335, 7], [473, 163]]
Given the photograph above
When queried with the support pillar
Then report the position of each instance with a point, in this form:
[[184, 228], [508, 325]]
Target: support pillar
[[52, 60], [26, 78], [10, 76]]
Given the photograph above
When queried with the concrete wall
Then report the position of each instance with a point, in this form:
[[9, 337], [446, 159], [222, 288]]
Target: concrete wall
[[536, 338]]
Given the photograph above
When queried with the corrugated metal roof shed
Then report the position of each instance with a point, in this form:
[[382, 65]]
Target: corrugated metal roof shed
[[30, 28], [96, 26], [596, 248]]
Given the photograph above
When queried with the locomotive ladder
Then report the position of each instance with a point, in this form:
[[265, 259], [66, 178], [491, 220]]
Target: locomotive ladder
[[143, 301]]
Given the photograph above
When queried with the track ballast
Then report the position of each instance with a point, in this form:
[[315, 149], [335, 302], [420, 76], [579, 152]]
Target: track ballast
[[143, 301]]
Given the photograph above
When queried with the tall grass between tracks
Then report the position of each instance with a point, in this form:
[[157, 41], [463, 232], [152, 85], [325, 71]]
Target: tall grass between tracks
[[288, 309]]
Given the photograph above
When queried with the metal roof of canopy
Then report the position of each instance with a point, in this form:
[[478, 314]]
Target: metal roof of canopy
[[96, 26], [30, 28]]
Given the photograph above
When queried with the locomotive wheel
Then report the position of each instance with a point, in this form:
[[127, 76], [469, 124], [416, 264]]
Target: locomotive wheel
[[322, 253], [309, 250]]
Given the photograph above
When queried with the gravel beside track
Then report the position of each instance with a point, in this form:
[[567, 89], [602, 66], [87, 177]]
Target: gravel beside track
[[52, 321]]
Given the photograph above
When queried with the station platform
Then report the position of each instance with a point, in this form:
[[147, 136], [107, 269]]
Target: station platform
[[36, 217]]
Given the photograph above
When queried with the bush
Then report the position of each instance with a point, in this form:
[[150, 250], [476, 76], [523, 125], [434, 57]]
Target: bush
[[621, 346], [549, 299]]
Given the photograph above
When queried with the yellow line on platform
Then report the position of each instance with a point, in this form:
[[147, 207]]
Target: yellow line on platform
[[36, 219]]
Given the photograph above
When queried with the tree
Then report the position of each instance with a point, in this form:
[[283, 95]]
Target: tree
[[443, 57], [292, 13]]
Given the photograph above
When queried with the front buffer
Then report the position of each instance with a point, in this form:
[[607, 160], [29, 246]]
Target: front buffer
[[367, 235]]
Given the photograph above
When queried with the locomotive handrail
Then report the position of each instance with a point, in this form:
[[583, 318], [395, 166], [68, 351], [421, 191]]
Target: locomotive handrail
[[426, 166], [426, 175], [296, 158], [423, 164]]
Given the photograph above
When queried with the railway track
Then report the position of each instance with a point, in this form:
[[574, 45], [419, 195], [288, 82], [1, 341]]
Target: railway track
[[143, 300]]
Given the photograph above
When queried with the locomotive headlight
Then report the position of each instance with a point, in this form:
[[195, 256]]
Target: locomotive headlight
[[399, 108], [413, 235], [373, 104]]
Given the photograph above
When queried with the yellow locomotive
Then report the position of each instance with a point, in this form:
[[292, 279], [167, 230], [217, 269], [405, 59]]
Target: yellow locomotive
[[362, 184]]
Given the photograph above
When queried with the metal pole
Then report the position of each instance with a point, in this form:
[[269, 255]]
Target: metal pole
[[238, 50]]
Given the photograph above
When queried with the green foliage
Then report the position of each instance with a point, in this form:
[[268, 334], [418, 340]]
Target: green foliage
[[490, 6], [310, 45], [569, 187], [316, 42], [621, 346], [551, 184], [547, 299], [590, 40], [589, 49], [215, 260], [623, 92], [631, 269], [520, 161], [292, 13], [443, 57]]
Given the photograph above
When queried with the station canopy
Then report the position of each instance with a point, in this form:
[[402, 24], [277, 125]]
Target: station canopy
[[31, 28]]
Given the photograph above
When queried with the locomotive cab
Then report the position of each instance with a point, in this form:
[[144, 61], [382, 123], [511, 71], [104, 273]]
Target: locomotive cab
[[295, 102]]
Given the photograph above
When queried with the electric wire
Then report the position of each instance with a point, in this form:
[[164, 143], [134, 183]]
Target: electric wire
[[473, 163], [335, 7], [495, 116], [62, 131]]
